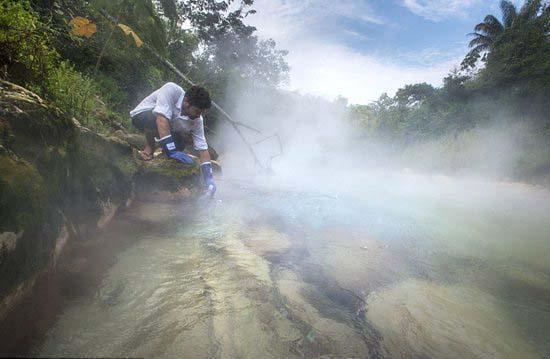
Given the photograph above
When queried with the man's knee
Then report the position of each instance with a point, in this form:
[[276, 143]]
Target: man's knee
[[138, 123], [144, 121]]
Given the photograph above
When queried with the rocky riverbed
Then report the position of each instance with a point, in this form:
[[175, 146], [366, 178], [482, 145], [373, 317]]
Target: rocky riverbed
[[264, 273]]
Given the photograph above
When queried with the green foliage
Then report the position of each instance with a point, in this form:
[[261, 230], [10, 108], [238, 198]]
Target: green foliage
[[169, 10], [75, 94], [231, 50], [519, 56], [414, 95], [99, 79], [511, 91], [141, 16], [25, 42], [111, 93], [529, 23]]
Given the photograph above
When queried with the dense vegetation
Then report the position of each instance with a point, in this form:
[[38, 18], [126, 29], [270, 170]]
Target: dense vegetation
[[70, 53], [73, 55], [503, 81]]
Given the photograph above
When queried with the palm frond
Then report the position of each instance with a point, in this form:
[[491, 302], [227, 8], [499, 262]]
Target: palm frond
[[530, 9], [491, 26], [480, 40], [471, 58], [494, 23], [481, 48], [509, 13]]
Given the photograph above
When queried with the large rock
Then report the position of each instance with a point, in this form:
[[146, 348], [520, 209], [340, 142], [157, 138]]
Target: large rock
[[420, 319], [59, 179]]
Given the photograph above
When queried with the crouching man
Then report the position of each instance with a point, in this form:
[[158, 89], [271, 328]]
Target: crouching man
[[171, 111]]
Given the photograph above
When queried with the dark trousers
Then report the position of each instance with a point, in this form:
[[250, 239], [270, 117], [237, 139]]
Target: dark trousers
[[147, 122]]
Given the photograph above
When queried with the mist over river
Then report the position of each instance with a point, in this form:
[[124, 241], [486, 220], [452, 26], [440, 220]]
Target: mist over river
[[438, 267]]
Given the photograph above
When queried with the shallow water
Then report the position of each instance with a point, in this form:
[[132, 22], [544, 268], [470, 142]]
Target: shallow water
[[437, 268]]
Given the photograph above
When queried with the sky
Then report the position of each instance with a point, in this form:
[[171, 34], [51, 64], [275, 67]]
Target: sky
[[360, 49]]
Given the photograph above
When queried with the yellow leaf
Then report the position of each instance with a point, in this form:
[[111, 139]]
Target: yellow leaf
[[82, 27], [128, 31]]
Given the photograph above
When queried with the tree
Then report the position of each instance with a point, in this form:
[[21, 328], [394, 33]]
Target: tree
[[520, 56], [142, 17], [492, 29], [26, 54], [230, 48], [414, 95]]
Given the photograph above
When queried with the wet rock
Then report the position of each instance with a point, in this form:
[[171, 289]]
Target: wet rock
[[154, 195], [321, 335], [8, 241], [22, 190], [76, 265], [421, 319], [60, 243], [152, 212], [108, 210], [164, 173], [265, 240], [56, 174], [111, 295], [135, 140], [360, 263]]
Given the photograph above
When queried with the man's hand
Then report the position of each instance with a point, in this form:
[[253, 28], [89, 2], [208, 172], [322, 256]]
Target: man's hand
[[206, 171], [167, 143], [169, 149], [208, 179]]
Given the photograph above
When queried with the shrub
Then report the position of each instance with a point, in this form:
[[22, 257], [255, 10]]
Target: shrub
[[26, 55], [76, 95]]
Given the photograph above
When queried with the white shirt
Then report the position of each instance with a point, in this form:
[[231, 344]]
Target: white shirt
[[167, 101]]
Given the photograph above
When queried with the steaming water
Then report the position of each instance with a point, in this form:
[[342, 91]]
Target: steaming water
[[434, 268]]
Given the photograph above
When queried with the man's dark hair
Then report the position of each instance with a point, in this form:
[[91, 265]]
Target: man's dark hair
[[198, 97]]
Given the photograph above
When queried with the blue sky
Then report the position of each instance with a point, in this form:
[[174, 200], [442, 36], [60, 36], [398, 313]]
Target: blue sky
[[362, 48]]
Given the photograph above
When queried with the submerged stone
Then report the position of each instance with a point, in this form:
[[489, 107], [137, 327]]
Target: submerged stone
[[421, 319], [265, 240]]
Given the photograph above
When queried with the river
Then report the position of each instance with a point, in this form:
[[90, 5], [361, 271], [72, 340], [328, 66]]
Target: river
[[399, 265]]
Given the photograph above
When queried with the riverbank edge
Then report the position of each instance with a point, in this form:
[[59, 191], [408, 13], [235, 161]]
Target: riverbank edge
[[62, 182]]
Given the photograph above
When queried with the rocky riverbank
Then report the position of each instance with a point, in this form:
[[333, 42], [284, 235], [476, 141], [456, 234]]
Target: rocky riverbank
[[59, 182]]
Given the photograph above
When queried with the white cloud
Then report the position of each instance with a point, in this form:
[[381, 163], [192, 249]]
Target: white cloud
[[356, 34], [280, 19], [438, 10], [330, 70], [358, 10], [322, 67]]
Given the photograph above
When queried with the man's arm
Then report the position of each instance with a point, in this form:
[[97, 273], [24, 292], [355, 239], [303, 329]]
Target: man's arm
[[206, 171], [199, 141], [204, 156], [167, 143]]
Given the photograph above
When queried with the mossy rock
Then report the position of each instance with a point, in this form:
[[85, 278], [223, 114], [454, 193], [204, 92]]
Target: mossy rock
[[53, 171], [132, 139], [27, 217], [28, 115], [22, 195], [166, 174]]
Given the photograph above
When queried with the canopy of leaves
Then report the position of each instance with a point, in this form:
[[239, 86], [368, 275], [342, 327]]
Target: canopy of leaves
[[98, 44], [26, 52]]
